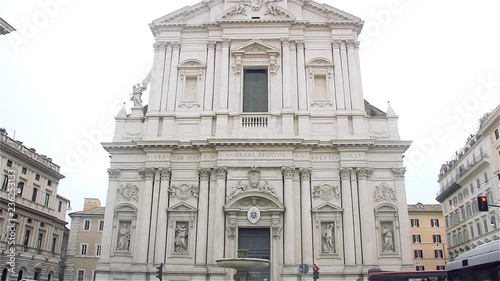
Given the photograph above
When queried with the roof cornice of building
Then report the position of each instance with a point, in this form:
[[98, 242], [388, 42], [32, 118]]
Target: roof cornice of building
[[39, 213]]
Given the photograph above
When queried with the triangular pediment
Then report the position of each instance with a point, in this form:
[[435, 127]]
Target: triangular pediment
[[185, 15], [246, 10], [326, 208], [255, 47], [182, 207], [315, 11]]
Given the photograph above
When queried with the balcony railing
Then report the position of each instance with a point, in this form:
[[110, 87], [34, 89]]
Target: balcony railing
[[255, 121]]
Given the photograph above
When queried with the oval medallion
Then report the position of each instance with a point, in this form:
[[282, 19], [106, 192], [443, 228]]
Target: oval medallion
[[253, 214]]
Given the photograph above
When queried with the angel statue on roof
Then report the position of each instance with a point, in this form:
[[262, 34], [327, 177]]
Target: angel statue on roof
[[138, 89]]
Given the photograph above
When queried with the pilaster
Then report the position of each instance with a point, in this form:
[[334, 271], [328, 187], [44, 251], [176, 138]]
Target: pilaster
[[348, 220], [161, 231], [356, 218], [219, 218], [201, 235], [143, 216], [290, 218], [345, 76], [404, 219], [307, 248], [339, 82], [367, 222], [172, 83]]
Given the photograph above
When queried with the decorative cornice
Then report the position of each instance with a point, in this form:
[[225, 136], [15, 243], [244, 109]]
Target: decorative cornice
[[288, 172], [147, 173], [221, 172], [345, 173], [305, 173], [114, 173], [205, 174], [364, 173]]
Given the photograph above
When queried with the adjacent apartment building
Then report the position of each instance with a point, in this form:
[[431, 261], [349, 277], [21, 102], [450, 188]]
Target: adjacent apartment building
[[85, 247], [473, 171], [428, 235], [32, 214]]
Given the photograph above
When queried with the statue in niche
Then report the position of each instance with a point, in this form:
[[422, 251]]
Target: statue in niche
[[328, 239], [388, 238], [123, 237], [181, 235]]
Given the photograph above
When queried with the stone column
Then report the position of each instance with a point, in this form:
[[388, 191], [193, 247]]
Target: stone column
[[290, 219], [107, 234], [155, 196], [161, 232], [353, 74], [345, 76], [348, 221], [166, 78], [143, 217], [404, 220], [157, 77], [201, 234], [220, 200], [287, 92], [209, 81], [337, 69], [172, 83], [356, 218], [367, 221], [301, 69], [224, 71], [307, 249]]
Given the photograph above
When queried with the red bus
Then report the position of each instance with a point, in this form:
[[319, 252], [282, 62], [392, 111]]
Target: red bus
[[434, 275]]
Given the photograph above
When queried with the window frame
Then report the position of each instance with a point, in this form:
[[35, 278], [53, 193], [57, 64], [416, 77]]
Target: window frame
[[82, 247], [85, 227], [99, 229], [98, 250], [418, 254], [82, 277], [435, 222], [415, 223], [244, 77]]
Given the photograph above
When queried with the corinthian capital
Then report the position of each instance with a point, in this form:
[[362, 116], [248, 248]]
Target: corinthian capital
[[285, 42], [211, 45], [336, 44], [165, 173], [204, 174], [147, 173], [300, 44], [364, 173], [114, 173], [160, 46], [176, 45], [305, 173], [226, 42], [345, 173], [221, 172], [399, 172], [288, 172]]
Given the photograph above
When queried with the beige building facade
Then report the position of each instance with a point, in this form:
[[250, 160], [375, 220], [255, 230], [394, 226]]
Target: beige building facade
[[472, 172], [32, 214], [85, 248], [256, 137], [428, 236]]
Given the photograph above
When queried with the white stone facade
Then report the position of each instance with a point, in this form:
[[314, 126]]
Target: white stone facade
[[321, 169]]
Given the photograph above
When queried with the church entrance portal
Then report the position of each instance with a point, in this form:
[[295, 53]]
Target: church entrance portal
[[258, 243]]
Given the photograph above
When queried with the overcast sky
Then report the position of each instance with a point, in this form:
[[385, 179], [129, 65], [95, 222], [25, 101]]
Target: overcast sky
[[71, 63]]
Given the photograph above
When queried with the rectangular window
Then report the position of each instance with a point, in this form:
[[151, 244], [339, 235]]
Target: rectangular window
[[466, 192], [436, 238], [416, 238], [101, 225], [471, 188], [54, 243], [485, 177], [37, 177], [20, 187], [190, 89], [440, 267], [438, 254], [49, 183], [435, 222], [419, 254], [255, 96], [485, 224], [27, 234], [24, 171], [42, 225], [9, 163], [47, 199], [83, 249], [479, 230], [415, 223], [471, 231], [59, 207], [35, 193], [5, 182], [478, 183], [39, 241], [420, 268], [97, 250], [497, 134], [320, 87], [81, 275], [86, 225]]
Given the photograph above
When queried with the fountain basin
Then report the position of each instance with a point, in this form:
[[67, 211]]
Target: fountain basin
[[243, 263]]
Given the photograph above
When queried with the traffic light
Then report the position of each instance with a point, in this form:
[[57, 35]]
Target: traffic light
[[159, 272], [315, 272], [482, 203]]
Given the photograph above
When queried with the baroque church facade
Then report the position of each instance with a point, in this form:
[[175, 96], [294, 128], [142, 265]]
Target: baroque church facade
[[256, 137]]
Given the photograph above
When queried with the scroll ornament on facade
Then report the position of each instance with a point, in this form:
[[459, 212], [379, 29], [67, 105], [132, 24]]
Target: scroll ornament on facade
[[276, 229], [183, 191], [127, 193], [383, 192], [326, 192]]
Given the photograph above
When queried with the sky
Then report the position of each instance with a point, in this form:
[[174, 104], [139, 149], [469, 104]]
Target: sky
[[71, 64]]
